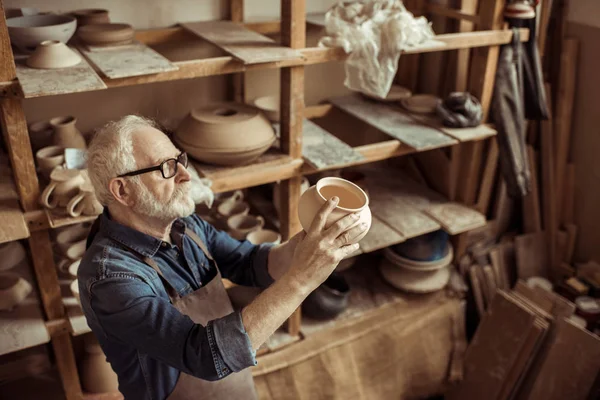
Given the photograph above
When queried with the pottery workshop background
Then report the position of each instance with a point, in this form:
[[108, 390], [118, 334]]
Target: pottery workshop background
[[175, 99]]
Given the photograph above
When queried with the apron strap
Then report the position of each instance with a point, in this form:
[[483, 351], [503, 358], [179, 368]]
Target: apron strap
[[173, 295], [196, 239]]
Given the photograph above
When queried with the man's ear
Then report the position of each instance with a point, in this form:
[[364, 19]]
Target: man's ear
[[121, 191]]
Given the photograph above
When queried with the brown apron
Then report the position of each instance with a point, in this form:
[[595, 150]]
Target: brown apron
[[205, 304]]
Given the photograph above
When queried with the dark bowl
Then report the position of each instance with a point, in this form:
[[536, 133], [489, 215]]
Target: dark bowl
[[428, 247], [328, 300]]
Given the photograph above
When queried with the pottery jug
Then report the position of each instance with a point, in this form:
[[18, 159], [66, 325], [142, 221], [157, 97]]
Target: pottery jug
[[241, 225], [328, 300], [97, 375], [352, 200], [261, 236], [231, 208], [49, 158], [85, 202], [66, 133], [64, 185], [13, 290], [71, 235], [11, 255]]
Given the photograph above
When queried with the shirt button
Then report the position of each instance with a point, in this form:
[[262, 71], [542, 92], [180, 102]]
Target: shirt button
[[164, 244]]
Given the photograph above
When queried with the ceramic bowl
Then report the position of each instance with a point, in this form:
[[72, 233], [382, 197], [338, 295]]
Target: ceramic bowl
[[76, 250], [414, 265], [106, 34], [52, 54], [28, 32], [412, 281], [49, 158], [71, 235], [261, 236], [13, 290], [91, 16], [228, 127], [421, 103], [328, 300], [225, 157], [11, 255], [230, 208], [269, 105], [429, 247], [352, 200]]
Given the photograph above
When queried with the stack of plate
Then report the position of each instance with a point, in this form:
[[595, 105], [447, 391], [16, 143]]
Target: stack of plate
[[416, 276], [225, 134]]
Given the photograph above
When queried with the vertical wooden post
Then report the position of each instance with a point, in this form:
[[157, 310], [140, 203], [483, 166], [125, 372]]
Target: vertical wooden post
[[237, 89], [16, 136], [293, 34], [464, 55]]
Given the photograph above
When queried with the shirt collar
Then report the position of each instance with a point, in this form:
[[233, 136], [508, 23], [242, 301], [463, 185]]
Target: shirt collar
[[139, 242]]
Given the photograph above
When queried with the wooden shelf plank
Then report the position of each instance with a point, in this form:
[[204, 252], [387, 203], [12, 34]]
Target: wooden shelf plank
[[245, 45], [48, 82], [24, 326], [380, 235], [56, 220], [396, 124], [461, 134], [12, 220], [125, 61]]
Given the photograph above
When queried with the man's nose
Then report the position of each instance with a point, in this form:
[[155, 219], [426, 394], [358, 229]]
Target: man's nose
[[183, 175]]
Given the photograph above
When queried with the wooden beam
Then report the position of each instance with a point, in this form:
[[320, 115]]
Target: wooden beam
[[463, 56], [489, 175], [464, 15], [568, 209], [532, 221], [469, 172], [7, 64], [549, 196], [237, 85]]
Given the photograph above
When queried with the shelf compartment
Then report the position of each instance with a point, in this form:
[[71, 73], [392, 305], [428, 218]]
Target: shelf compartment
[[243, 44], [47, 82], [23, 327], [77, 320]]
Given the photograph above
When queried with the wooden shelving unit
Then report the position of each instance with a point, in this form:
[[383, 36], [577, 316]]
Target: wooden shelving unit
[[293, 160]]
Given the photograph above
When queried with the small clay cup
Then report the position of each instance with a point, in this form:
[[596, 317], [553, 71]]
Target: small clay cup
[[241, 225]]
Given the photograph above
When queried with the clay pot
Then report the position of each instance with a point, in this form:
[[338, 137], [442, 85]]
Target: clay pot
[[85, 202], [13, 290], [421, 103], [40, 135], [261, 236], [66, 133], [413, 281], [70, 236], [328, 300], [52, 54], [106, 34], [415, 265], [28, 32], [11, 255], [304, 185], [429, 247], [352, 200], [91, 16], [97, 376], [231, 208], [49, 158], [64, 185], [74, 287], [76, 250], [241, 225], [269, 105]]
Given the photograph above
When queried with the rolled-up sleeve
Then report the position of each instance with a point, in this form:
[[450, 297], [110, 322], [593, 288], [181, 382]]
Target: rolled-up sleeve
[[239, 261], [128, 310]]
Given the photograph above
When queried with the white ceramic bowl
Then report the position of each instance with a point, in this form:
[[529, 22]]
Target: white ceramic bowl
[[13, 290], [11, 255], [28, 32]]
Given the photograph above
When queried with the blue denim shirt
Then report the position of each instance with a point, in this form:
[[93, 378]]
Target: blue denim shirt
[[145, 338]]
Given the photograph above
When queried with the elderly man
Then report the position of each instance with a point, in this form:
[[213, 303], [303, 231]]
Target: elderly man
[[150, 281]]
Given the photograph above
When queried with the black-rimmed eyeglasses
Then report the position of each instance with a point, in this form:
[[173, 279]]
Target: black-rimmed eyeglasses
[[167, 168]]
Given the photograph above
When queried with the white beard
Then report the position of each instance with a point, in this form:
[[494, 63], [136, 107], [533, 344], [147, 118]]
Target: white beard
[[180, 205]]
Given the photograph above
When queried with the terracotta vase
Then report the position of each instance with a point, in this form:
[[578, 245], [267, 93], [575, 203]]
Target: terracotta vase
[[40, 135], [106, 34], [66, 133], [261, 236], [28, 32], [49, 158], [352, 200], [71, 235], [241, 225], [13, 290], [11, 255], [328, 300], [304, 185], [85, 202], [64, 185], [91, 16], [52, 54], [97, 376]]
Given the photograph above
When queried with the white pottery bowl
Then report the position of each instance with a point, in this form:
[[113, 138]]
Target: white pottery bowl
[[13, 290], [29, 31]]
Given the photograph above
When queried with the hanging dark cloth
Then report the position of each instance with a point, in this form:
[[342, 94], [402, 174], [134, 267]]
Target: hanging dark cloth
[[508, 114]]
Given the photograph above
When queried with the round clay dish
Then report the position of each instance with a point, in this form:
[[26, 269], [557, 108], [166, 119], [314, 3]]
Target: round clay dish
[[414, 265], [91, 16], [268, 105], [414, 281], [421, 103], [28, 32], [106, 34], [52, 54]]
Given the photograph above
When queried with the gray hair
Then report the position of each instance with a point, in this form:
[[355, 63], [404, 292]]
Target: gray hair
[[111, 153]]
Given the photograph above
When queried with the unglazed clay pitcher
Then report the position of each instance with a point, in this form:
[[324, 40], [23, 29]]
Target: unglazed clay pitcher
[[13, 290], [85, 202], [241, 225], [97, 375], [352, 200], [66, 133], [64, 185]]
